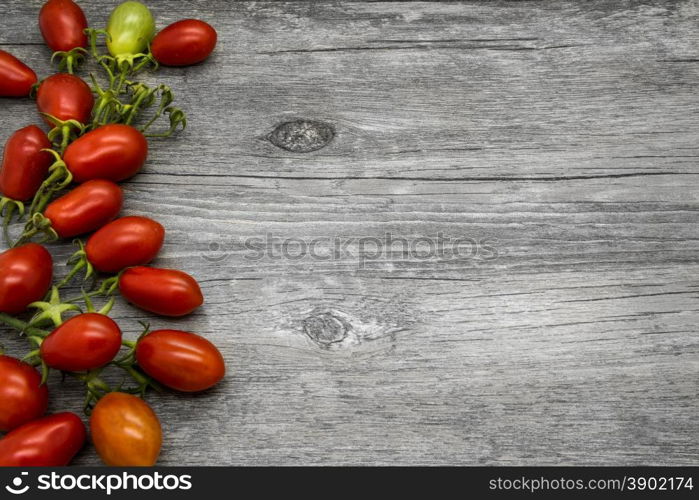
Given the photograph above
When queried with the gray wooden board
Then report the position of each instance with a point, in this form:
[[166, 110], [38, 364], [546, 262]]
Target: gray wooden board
[[564, 131]]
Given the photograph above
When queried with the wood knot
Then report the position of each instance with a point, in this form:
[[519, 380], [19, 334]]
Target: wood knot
[[326, 328], [302, 136]]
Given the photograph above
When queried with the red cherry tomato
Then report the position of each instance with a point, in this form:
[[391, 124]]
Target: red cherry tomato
[[84, 342], [125, 431], [185, 42], [22, 398], [125, 242], [86, 208], [16, 78], [50, 441], [114, 152], [25, 276], [181, 360], [24, 164], [161, 291], [62, 23], [65, 97]]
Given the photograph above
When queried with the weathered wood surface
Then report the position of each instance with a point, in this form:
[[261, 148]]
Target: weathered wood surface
[[566, 131]]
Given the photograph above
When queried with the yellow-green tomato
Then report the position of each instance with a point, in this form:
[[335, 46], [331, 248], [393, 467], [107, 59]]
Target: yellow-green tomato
[[130, 28]]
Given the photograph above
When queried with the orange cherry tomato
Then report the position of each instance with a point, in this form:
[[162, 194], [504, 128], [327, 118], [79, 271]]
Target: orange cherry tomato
[[125, 431]]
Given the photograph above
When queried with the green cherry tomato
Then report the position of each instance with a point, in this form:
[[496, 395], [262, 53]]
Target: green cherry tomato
[[130, 28]]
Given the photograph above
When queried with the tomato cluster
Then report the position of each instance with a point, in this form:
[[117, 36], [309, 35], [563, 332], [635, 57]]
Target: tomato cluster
[[69, 178]]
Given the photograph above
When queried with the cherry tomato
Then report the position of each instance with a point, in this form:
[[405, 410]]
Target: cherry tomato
[[16, 78], [130, 28], [24, 164], [125, 242], [161, 291], [62, 23], [183, 43], [66, 97], [86, 208], [113, 152], [181, 360], [50, 441], [25, 276], [22, 397], [125, 431], [84, 342]]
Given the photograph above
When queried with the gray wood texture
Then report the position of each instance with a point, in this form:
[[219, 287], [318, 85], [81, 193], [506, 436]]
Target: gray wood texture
[[566, 132]]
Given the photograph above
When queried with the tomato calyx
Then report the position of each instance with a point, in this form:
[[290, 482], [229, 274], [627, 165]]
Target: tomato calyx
[[63, 131], [51, 310], [121, 66], [69, 61]]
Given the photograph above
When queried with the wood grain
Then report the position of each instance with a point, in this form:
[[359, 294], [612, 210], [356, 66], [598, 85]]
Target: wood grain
[[562, 132]]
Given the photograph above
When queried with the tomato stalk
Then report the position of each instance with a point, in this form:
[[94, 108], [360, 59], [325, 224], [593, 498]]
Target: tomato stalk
[[128, 363], [37, 224], [79, 262], [59, 178], [106, 106], [109, 108], [8, 209], [95, 387], [22, 326]]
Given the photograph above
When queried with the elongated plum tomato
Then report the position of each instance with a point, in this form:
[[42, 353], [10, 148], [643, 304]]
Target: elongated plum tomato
[[22, 397], [86, 208], [125, 242], [167, 292], [62, 24], [113, 152], [50, 441], [180, 360], [25, 276], [66, 97], [125, 431], [24, 164], [16, 78], [84, 342], [130, 29], [185, 42]]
